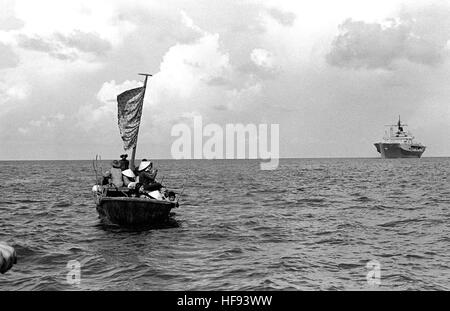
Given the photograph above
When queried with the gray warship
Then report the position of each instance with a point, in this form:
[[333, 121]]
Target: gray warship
[[398, 143]]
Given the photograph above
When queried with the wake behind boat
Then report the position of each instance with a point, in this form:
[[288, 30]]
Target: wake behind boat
[[126, 195]]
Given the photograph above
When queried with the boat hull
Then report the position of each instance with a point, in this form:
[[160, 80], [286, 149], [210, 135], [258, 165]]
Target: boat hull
[[392, 150], [125, 211]]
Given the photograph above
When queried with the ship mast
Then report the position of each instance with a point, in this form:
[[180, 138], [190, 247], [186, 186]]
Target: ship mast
[[133, 154]]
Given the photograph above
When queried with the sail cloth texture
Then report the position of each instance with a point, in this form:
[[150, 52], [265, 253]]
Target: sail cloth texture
[[129, 115]]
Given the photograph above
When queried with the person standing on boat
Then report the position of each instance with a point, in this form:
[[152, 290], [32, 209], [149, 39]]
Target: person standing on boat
[[116, 174], [124, 163], [147, 176]]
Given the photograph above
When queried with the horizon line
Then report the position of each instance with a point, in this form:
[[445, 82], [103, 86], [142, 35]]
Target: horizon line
[[256, 159]]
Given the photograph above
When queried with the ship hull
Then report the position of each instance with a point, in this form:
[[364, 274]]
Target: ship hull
[[392, 150]]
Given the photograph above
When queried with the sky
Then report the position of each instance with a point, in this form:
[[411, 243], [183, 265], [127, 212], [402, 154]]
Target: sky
[[330, 73]]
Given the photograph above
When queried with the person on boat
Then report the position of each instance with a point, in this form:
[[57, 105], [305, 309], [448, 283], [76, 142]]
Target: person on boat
[[147, 176], [142, 166], [139, 192], [8, 257], [167, 195], [124, 163], [171, 196], [116, 174], [129, 178], [106, 178]]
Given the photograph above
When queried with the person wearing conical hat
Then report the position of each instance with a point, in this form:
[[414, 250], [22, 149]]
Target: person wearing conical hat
[[147, 175], [129, 178], [145, 165]]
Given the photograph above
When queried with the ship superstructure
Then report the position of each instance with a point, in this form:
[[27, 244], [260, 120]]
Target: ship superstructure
[[399, 143]]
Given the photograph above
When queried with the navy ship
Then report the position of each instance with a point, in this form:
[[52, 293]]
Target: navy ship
[[398, 143]]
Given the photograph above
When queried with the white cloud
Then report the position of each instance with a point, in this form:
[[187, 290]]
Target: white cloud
[[185, 66], [109, 90], [23, 131], [8, 20], [48, 121], [17, 92], [233, 61], [49, 16], [91, 115], [12, 91], [283, 17], [262, 58], [182, 86], [8, 59], [43, 123], [416, 36]]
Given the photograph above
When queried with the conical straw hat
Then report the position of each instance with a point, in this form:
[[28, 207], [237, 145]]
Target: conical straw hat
[[144, 165], [128, 173]]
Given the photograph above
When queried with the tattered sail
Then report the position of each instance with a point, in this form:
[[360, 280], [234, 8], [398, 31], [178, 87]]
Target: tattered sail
[[129, 115]]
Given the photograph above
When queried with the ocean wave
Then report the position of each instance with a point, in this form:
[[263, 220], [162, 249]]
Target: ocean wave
[[311, 224]]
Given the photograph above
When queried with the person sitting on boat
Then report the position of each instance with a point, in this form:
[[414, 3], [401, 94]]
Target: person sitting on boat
[[129, 178], [124, 163], [142, 166], [139, 192], [167, 195], [147, 176], [171, 196], [116, 174], [106, 178]]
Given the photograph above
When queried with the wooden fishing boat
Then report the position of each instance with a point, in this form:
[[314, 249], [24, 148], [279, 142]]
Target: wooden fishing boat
[[122, 206], [116, 206]]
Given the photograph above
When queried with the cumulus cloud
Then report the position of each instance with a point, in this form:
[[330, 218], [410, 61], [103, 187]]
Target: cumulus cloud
[[261, 65], [8, 58], [18, 92], [228, 61], [282, 17], [88, 42], [34, 43], [89, 115], [193, 78], [200, 76], [418, 36], [48, 121], [66, 47], [262, 58], [8, 20], [109, 90], [186, 65], [10, 23], [12, 93], [42, 123]]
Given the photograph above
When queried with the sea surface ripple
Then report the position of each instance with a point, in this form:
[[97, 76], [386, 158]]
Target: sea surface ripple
[[312, 224]]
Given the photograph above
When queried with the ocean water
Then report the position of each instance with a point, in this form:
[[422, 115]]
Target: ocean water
[[312, 224]]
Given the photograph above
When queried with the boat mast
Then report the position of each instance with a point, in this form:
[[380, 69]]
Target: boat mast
[[133, 154]]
